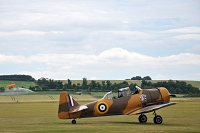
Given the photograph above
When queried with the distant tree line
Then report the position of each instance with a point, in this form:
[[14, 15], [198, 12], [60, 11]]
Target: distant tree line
[[45, 84], [176, 87], [140, 78], [17, 77]]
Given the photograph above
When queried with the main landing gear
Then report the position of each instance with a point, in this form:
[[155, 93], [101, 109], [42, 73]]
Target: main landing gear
[[142, 118], [73, 121], [157, 119]]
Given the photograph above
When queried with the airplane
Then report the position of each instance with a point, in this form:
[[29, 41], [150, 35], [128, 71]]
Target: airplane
[[126, 103], [11, 86]]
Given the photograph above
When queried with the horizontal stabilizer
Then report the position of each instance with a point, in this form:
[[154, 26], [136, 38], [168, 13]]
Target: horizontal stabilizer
[[77, 109], [149, 108]]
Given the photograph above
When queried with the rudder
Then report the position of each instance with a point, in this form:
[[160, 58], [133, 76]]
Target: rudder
[[72, 101], [65, 103]]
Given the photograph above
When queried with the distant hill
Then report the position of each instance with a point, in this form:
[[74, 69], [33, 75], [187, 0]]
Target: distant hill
[[138, 82], [27, 84], [17, 77]]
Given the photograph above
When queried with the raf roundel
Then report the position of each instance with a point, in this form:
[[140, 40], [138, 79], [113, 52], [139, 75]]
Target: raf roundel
[[102, 107]]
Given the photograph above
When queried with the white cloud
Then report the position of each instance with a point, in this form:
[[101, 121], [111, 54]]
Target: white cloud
[[99, 38], [111, 55], [115, 60], [13, 59], [123, 57], [49, 74], [93, 78], [133, 35], [185, 30], [188, 37], [160, 76], [22, 33], [185, 33]]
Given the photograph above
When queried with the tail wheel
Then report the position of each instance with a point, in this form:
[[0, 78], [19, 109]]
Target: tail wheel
[[142, 118], [73, 121], [157, 119]]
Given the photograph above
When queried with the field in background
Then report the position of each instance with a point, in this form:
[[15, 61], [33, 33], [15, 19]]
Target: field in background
[[27, 84], [50, 97], [43, 98], [54, 97], [41, 117]]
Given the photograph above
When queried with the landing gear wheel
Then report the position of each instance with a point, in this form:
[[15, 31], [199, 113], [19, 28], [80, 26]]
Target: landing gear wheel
[[157, 119], [73, 121], [142, 118]]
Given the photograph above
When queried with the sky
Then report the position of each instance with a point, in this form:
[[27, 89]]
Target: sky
[[105, 40]]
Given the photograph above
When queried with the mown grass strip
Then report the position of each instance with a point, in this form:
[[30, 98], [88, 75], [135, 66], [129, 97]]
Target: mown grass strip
[[41, 117]]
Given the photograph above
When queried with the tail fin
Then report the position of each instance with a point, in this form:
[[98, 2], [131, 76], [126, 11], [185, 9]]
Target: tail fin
[[72, 101], [65, 103]]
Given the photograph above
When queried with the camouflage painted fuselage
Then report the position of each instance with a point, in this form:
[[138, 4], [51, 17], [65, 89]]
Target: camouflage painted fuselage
[[113, 106]]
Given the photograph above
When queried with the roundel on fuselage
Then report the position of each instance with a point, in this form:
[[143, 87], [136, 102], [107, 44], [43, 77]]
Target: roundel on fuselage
[[102, 107]]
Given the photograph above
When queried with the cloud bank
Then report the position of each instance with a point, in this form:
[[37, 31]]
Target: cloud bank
[[100, 40], [115, 61]]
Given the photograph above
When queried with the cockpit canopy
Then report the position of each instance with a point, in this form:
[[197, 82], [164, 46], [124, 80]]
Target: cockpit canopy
[[124, 92], [109, 95]]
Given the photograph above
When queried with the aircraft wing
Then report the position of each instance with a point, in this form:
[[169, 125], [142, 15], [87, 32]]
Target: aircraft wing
[[149, 108], [77, 109]]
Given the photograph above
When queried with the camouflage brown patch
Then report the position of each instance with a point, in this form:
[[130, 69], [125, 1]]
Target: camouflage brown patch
[[115, 108], [63, 108], [89, 111]]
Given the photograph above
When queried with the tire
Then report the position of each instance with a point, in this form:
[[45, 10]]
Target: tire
[[157, 119], [73, 121], [142, 118]]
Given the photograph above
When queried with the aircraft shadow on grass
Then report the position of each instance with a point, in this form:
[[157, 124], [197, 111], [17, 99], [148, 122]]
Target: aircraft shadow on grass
[[131, 123], [126, 103]]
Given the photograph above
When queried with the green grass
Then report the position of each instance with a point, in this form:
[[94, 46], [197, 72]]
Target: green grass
[[41, 117], [194, 83], [101, 94], [25, 84], [43, 98]]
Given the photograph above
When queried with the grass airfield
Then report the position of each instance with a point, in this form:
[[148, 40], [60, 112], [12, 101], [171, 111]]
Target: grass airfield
[[38, 113]]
